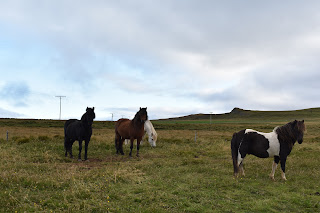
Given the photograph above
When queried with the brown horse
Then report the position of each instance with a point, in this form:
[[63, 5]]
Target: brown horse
[[130, 129]]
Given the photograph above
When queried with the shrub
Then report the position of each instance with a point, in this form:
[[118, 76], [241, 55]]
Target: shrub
[[43, 138], [23, 140]]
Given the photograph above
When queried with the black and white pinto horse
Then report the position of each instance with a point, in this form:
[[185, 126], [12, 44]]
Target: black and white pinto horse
[[277, 144], [79, 130]]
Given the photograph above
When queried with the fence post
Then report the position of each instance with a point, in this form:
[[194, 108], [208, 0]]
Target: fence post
[[7, 135]]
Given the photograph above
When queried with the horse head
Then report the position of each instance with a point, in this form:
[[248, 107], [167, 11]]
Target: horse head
[[299, 128], [88, 116], [152, 140], [142, 114]]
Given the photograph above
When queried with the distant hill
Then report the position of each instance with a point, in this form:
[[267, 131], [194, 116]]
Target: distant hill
[[237, 113]]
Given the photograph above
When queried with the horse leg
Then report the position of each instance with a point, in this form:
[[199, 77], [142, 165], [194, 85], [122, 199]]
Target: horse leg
[[69, 147], [143, 137], [283, 167], [117, 142], [131, 146], [274, 166], [241, 169], [66, 145], [80, 148], [116, 145], [121, 146], [242, 152], [86, 149], [138, 145]]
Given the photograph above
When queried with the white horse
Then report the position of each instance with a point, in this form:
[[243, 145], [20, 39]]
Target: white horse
[[148, 127]]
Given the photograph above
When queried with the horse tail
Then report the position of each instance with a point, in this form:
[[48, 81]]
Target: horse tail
[[234, 151], [117, 137], [115, 143]]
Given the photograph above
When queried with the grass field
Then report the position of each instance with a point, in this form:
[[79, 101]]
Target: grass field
[[179, 175]]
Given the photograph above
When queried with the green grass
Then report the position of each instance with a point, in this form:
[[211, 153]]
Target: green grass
[[179, 175]]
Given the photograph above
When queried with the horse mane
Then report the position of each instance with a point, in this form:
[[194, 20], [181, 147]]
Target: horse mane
[[136, 117], [136, 120], [290, 131], [84, 118], [149, 127]]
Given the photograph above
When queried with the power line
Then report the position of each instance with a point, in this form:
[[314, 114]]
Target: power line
[[60, 96]]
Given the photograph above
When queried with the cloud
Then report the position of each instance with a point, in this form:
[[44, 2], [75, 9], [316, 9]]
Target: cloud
[[173, 57], [15, 92], [9, 114]]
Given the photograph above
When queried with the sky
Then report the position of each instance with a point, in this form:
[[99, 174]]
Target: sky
[[174, 57]]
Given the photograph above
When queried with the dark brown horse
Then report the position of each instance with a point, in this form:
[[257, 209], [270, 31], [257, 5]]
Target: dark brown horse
[[130, 129]]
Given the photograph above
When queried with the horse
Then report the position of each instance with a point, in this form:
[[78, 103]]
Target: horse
[[277, 144], [79, 130], [152, 134], [130, 129]]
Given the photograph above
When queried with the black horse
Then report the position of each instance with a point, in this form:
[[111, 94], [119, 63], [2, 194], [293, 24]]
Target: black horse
[[79, 130]]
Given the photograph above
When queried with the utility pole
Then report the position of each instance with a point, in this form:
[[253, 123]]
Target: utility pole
[[60, 96], [112, 116], [210, 117]]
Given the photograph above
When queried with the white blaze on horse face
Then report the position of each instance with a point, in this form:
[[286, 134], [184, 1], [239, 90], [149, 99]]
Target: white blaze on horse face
[[272, 137]]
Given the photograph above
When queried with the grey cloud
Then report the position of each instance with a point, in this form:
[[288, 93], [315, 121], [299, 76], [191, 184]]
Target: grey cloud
[[9, 114], [250, 54], [15, 92]]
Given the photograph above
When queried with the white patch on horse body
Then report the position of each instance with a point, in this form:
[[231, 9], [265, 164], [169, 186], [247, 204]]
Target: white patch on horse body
[[272, 137], [240, 159]]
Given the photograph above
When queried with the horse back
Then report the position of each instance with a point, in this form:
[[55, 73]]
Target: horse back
[[237, 138], [122, 127], [67, 123], [75, 130], [126, 129], [259, 143]]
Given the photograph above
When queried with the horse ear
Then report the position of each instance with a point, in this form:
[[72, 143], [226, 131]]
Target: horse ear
[[87, 109], [302, 121], [140, 108], [93, 109]]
